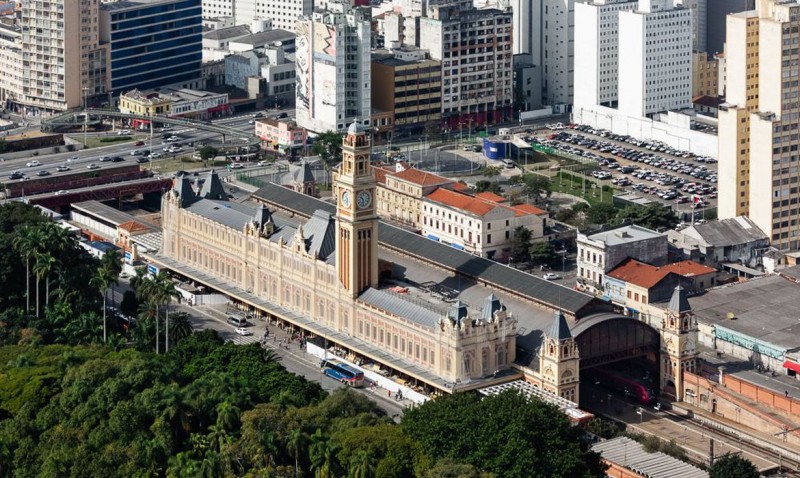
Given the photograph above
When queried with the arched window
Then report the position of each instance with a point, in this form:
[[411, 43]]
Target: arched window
[[501, 356], [485, 362]]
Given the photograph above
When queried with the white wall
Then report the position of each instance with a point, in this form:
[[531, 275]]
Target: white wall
[[558, 32], [645, 128], [631, 64]]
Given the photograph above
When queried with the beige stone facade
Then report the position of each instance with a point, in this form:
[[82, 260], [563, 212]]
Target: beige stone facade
[[325, 270], [705, 75], [401, 189]]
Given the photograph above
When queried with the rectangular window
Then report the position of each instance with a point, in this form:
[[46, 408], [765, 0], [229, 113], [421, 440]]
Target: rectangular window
[[488, 239]]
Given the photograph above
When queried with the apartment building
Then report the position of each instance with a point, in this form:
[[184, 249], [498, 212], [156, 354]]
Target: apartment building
[[282, 135], [62, 59], [597, 55], [655, 58], [774, 188], [152, 43], [601, 252], [408, 84], [558, 46], [705, 74], [476, 224], [11, 59], [332, 60], [475, 48]]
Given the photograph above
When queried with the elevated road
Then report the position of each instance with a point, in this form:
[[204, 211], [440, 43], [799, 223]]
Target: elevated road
[[230, 136]]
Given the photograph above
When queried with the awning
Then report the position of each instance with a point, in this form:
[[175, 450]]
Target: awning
[[457, 246], [792, 366], [432, 237]]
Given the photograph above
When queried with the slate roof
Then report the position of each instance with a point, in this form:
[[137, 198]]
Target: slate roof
[[726, 232], [399, 307], [414, 245], [212, 188], [227, 213], [490, 306], [320, 234], [679, 302], [560, 328], [631, 455]]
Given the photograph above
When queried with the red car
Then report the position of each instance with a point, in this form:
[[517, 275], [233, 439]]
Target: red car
[[139, 143]]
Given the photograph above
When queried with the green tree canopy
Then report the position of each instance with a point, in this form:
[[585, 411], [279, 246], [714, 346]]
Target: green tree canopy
[[208, 152], [476, 431], [488, 186], [543, 253], [733, 466], [328, 146], [521, 244], [652, 216], [603, 213]]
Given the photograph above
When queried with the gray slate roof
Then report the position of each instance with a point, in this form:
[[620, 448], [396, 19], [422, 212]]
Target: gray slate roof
[[490, 305], [265, 38], [227, 213], [679, 302], [727, 232], [320, 234], [227, 33], [212, 188], [400, 307], [406, 242], [560, 328], [630, 454]]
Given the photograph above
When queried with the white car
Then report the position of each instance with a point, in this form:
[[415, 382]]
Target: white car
[[237, 166], [123, 132], [92, 166], [71, 159], [243, 331], [155, 155], [551, 276], [33, 164], [263, 163]]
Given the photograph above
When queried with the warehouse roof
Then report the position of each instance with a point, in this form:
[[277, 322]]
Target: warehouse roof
[[629, 454]]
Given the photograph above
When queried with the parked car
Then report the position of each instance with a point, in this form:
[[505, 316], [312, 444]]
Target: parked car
[[551, 276]]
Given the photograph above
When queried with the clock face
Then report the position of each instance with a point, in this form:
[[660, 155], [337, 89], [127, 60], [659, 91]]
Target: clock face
[[346, 199], [364, 199]]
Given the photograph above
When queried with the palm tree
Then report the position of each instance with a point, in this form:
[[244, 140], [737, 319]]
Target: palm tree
[[164, 292], [112, 261], [148, 291], [227, 415], [324, 463], [26, 242], [362, 465], [296, 445], [218, 438], [44, 264], [102, 280], [138, 278], [181, 327]]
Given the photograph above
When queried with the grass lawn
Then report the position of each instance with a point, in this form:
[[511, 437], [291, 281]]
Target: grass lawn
[[94, 142], [574, 186]]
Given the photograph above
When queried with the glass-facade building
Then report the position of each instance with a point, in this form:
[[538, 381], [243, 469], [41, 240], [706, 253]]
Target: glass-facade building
[[153, 43]]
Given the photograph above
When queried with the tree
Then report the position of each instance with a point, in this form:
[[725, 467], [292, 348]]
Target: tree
[[324, 462], [602, 213], [181, 327], [521, 244], [362, 465], [102, 280], [487, 186], [208, 152], [565, 215], [543, 253], [492, 171], [129, 304], [537, 185], [165, 291], [732, 466], [26, 242], [652, 216], [228, 416], [42, 266], [449, 468], [297, 444], [328, 146]]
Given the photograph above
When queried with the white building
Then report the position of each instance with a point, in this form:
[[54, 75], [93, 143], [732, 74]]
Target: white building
[[558, 33], [11, 59], [333, 65], [475, 48], [280, 72], [601, 252], [477, 224], [283, 13], [655, 58], [597, 52]]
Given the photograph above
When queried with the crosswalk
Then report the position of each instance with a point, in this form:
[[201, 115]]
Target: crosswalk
[[243, 339]]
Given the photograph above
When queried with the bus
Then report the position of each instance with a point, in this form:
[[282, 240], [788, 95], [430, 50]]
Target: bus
[[343, 373]]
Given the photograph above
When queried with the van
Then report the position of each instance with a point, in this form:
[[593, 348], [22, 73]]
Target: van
[[509, 163], [237, 321]]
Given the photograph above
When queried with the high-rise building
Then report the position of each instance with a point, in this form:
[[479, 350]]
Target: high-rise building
[[558, 33], [741, 90], [716, 20], [62, 58], [474, 47], [333, 65], [11, 59], [699, 10], [597, 52], [152, 43], [283, 13], [655, 58], [770, 158]]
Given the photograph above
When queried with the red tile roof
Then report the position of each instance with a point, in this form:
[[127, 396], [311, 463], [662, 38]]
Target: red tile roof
[[647, 276], [133, 226], [490, 196], [421, 178], [460, 187], [529, 209], [461, 201]]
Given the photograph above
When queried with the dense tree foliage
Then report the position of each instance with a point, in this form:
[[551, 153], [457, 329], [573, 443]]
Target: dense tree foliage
[[733, 466], [328, 146], [653, 216], [505, 435]]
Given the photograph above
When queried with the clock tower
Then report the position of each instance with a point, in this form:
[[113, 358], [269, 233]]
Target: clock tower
[[357, 221]]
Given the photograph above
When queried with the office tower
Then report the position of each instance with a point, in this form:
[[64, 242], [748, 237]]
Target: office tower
[[597, 51], [62, 58], [655, 58], [152, 43], [558, 32], [283, 13], [333, 67], [474, 47], [762, 59], [717, 13]]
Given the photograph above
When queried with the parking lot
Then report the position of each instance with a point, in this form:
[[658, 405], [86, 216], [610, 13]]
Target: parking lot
[[653, 169]]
